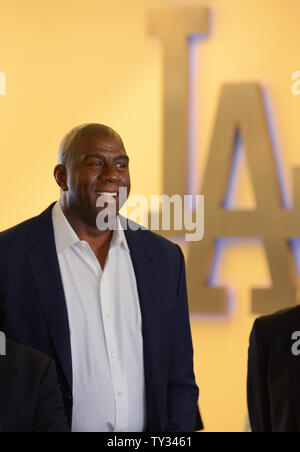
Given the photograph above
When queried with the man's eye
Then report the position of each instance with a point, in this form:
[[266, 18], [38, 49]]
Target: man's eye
[[122, 165], [95, 163]]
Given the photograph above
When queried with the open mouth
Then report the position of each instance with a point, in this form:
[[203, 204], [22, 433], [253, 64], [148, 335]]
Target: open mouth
[[106, 199], [106, 195]]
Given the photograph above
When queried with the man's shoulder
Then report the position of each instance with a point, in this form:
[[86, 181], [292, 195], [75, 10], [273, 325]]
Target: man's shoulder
[[15, 238], [16, 230], [279, 324], [148, 238], [19, 231], [282, 317]]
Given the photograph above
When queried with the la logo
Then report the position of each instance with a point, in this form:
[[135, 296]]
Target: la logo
[[240, 112]]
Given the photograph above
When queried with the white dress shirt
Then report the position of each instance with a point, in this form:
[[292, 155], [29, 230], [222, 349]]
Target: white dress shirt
[[106, 332]]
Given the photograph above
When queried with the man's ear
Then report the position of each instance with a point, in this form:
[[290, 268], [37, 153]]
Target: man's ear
[[60, 175]]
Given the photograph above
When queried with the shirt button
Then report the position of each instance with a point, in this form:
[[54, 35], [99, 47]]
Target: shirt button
[[108, 316], [114, 354], [120, 394]]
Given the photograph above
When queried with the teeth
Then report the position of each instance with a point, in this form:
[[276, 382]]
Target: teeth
[[103, 193]]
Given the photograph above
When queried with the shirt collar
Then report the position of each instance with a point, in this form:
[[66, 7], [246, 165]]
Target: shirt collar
[[65, 236], [118, 237]]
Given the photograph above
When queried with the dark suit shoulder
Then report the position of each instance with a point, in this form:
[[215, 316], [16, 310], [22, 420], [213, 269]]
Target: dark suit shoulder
[[150, 238], [277, 324], [16, 232], [281, 317], [158, 241], [15, 237]]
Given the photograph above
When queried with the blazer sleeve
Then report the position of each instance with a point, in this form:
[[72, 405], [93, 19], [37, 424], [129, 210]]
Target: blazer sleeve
[[49, 414], [257, 382], [183, 392]]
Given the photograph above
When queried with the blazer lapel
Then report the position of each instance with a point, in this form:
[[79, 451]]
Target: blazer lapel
[[144, 268], [44, 266]]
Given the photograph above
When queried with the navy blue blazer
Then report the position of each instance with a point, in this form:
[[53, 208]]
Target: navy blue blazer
[[34, 313]]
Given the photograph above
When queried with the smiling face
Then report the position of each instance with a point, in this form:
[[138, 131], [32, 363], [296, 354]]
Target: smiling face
[[96, 164]]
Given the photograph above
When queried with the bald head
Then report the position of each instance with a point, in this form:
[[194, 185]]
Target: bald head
[[70, 142]]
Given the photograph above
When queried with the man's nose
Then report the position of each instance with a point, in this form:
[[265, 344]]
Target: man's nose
[[109, 173]]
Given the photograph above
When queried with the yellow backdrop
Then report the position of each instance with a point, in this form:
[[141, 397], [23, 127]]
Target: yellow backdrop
[[69, 62]]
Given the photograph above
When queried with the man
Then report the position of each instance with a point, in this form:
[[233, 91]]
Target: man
[[109, 306], [30, 399], [274, 373]]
